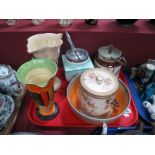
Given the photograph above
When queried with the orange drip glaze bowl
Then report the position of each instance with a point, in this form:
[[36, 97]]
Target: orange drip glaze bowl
[[122, 97]]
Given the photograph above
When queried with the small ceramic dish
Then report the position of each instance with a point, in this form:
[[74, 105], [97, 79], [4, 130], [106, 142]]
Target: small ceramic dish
[[7, 107], [65, 22], [37, 21], [122, 97]]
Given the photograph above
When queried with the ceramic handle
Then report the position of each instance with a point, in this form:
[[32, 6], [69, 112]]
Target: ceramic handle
[[122, 61]]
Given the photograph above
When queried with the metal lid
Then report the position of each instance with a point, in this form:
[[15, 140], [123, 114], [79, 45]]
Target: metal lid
[[78, 55], [109, 53], [75, 54], [99, 82]]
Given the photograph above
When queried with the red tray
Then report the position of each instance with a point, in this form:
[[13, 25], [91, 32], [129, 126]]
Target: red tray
[[66, 118]]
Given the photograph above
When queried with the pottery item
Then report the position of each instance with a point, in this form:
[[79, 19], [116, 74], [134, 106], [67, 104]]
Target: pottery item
[[11, 22], [110, 58], [65, 22], [122, 97], [37, 21], [91, 21], [97, 92], [9, 84], [126, 22], [7, 106], [38, 76], [75, 55], [46, 45], [149, 91], [72, 69], [150, 107], [142, 76], [75, 61]]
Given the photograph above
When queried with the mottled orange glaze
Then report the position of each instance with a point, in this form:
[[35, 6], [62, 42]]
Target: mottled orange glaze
[[47, 95]]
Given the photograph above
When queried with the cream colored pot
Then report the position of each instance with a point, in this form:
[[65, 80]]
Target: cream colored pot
[[97, 92]]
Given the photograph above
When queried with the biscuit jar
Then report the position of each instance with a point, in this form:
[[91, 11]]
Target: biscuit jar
[[97, 92], [75, 61], [110, 58]]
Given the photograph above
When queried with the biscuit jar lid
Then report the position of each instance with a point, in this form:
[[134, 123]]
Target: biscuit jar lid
[[99, 82], [77, 55], [109, 53]]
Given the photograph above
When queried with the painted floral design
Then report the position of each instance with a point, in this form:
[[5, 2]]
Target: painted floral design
[[93, 106], [99, 81], [107, 81]]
